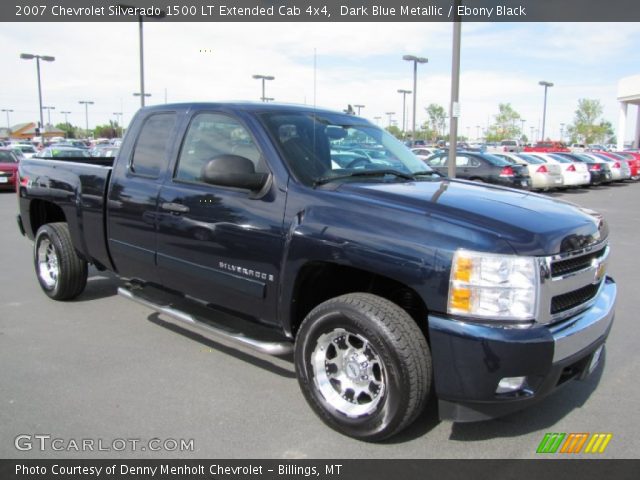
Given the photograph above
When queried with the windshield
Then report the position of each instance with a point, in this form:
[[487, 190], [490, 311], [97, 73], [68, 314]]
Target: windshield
[[319, 147], [7, 157]]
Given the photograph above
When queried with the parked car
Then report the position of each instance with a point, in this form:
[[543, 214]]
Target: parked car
[[72, 143], [574, 174], [511, 146], [8, 168], [387, 286], [27, 149], [547, 146], [104, 150], [599, 170], [578, 147], [543, 176], [483, 168], [58, 151], [620, 170], [423, 153], [633, 159]]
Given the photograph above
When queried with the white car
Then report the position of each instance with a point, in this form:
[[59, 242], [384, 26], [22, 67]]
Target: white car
[[574, 174], [27, 149], [543, 176], [424, 152], [620, 170]]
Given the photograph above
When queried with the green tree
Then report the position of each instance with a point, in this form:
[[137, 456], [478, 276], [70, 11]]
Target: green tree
[[506, 125], [395, 131], [436, 122], [106, 131], [68, 129], [587, 125]]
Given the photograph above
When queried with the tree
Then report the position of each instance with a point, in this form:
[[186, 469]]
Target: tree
[[68, 129], [587, 126], [395, 131], [506, 126], [106, 131], [436, 122]]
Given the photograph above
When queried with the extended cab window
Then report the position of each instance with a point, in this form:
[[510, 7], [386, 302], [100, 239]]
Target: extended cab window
[[211, 135], [150, 154]]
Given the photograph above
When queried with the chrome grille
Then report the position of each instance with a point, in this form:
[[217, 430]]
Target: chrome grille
[[570, 282]]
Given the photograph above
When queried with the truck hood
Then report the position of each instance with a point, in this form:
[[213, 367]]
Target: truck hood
[[532, 224]]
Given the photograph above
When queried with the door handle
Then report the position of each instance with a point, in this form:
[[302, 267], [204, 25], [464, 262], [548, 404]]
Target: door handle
[[174, 207]]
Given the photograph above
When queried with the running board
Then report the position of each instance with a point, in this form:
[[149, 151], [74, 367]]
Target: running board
[[190, 322]]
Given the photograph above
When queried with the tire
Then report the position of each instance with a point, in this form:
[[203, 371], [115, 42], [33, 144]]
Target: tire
[[380, 354], [62, 274]]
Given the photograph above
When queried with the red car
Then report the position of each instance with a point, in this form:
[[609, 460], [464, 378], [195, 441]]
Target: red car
[[8, 169], [633, 160], [547, 147]]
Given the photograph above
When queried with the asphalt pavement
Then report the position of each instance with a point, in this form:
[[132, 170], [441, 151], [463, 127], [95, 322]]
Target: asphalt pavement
[[105, 370]]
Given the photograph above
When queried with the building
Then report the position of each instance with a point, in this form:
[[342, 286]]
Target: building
[[27, 131], [628, 93]]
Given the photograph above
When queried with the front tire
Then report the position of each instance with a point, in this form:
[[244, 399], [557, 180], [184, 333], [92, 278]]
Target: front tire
[[363, 365], [62, 274]]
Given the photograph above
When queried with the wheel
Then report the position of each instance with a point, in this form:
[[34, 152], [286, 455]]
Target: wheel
[[363, 365], [61, 273], [477, 180]]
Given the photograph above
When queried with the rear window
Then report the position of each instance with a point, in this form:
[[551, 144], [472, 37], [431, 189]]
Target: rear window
[[494, 160], [560, 158], [531, 159], [154, 141], [508, 143]]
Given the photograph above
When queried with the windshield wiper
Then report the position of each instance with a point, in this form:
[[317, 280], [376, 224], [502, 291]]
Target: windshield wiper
[[364, 173], [427, 172]]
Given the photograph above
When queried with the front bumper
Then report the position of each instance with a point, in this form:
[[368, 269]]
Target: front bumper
[[469, 359]]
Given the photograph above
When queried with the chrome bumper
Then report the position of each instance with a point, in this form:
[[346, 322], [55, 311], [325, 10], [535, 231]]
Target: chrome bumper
[[577, 333]]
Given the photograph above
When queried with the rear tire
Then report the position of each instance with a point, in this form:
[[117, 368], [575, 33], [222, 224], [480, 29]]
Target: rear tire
[[363, 366], [62, 274]]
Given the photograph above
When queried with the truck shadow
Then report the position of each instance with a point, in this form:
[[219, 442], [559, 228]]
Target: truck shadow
[[99, 285], [282, 366]]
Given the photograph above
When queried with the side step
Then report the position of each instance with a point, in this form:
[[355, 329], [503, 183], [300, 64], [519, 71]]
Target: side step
[[191, 322]]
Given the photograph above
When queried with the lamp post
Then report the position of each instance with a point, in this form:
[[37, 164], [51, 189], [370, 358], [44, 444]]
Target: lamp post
[[477, 132], [66, 121], [562, 132], [416, 61], [118, 116], [546, 86], [144, 95], [86, 104], [8, 111], [162, 14], [48, 109], [404, 108], [390, 114], [263, 78], [522, 121], [44, 58], [359, 107]]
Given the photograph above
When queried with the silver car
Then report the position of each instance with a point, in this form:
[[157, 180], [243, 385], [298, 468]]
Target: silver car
[[620, 170], [543, 176]]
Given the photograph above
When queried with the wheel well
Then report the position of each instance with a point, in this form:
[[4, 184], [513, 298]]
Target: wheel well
[[320, 281], [42, 212]]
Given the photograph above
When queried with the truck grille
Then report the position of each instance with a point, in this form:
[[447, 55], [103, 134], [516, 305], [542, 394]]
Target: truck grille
[[567, 301], [571, 265]]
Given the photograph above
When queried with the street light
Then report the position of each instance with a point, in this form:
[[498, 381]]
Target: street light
[[44, 58], [162, 14], [263, 78], [66, 121], [477, 132], [118, 115], [86, 104], [8, 111], [562, 132], [48, 109], [416, 61], [404, 107], [546, 86], [390, 114], [359, 107], [145, 95]]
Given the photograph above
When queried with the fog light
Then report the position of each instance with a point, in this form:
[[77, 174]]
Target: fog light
[[510, 384]]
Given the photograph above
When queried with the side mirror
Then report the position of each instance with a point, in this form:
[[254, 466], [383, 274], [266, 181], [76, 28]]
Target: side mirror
[[233, 171]]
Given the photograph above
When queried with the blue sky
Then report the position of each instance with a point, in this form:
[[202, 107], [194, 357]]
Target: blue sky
[[356, 63]]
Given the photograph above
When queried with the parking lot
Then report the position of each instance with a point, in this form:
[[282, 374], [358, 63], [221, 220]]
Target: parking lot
[[104, 368]]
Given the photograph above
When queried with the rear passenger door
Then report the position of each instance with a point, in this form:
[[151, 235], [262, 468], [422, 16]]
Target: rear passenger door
[[220, 244], [133, 196]]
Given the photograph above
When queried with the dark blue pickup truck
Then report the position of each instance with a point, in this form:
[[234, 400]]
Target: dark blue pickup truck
[[320, 235]]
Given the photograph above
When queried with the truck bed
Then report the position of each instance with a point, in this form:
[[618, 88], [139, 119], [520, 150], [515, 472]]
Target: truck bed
[[78, 186]]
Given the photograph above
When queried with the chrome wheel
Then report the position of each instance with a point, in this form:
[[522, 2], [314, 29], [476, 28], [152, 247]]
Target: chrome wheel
[[48, 265], [348, 372]]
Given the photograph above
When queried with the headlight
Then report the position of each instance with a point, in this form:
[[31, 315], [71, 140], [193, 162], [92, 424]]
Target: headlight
[[500, 287]]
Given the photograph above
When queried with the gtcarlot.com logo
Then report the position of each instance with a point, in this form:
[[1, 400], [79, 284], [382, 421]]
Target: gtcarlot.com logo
[[46, 442], [574, 443]]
